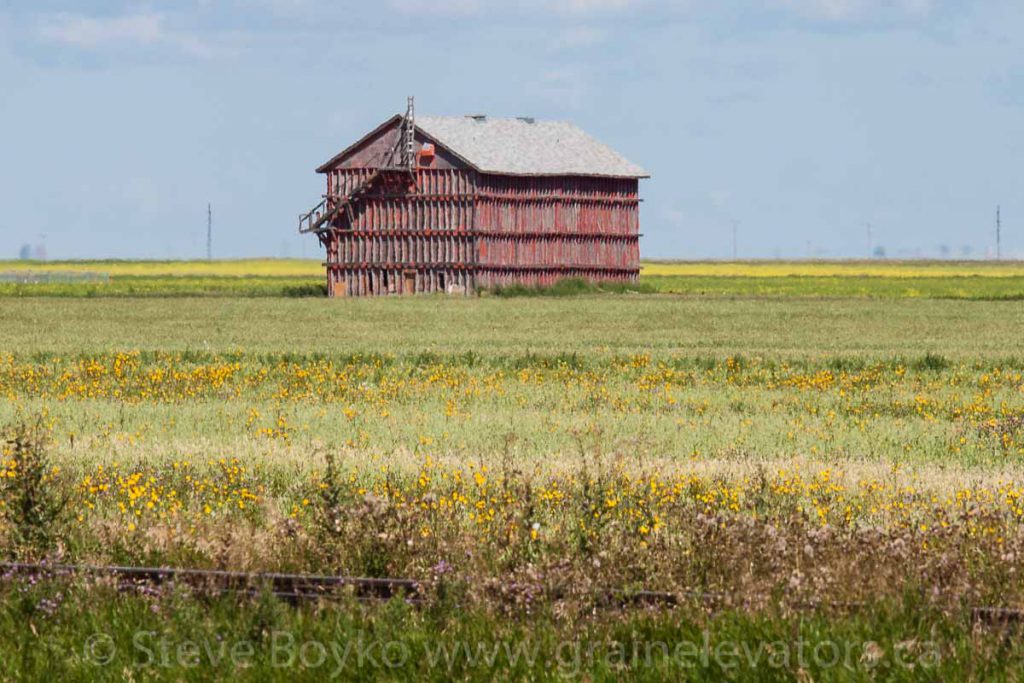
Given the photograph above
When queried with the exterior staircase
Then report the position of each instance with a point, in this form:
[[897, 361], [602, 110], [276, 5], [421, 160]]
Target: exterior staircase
[[399, 158], [330, 208]]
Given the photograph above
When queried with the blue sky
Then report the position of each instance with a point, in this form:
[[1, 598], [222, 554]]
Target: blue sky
[[800, 121]]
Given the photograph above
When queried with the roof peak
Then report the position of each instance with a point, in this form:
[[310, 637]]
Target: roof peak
[[487, 118], [519, 145], [526, 146]]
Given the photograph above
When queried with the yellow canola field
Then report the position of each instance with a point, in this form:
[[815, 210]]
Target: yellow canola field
[[314, 268], [890, 269], [266, 267]]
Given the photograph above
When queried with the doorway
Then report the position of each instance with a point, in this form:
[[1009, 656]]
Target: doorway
[[409, 282]]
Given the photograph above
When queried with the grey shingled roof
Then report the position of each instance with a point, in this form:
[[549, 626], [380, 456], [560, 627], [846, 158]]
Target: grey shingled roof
[[519, 147]]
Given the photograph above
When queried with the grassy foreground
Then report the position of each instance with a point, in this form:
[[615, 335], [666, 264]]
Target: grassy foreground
[[97, 634], [839, 478], [592, 325]]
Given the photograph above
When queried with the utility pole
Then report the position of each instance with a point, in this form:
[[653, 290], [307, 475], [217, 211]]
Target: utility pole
[[869, 240], [999, 230], [209, 232], [735, 225]]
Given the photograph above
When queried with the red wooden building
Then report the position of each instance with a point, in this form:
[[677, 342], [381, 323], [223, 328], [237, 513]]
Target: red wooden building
[[459, 203]]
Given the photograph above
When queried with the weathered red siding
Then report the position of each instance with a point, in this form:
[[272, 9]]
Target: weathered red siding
[[537, 230], [456, 229]]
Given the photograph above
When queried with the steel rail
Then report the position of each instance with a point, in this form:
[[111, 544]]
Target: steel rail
[[299, 587], [287, 586]]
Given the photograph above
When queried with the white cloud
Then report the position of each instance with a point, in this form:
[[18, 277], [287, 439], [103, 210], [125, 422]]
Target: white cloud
[[481, 6], [845, 10], [831, 10], [585, 6], [134, 30], [89, 32], [439, 6]]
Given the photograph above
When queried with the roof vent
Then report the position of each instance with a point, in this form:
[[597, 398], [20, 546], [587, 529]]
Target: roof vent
[[526, 119], [479, 118]]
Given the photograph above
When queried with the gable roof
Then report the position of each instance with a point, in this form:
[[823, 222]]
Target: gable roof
[[326, 166], [525, 147], [516, 146]]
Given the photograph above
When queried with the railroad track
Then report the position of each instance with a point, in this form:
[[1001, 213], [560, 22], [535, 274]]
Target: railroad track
[[290, 587], [296, 588]]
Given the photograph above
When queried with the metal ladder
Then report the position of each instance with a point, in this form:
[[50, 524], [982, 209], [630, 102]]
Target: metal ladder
[[401, 155], [409, 130], [320, 217]]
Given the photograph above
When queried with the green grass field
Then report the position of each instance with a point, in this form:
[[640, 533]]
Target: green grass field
[[973, 280], [600, 325], [817, 472]]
